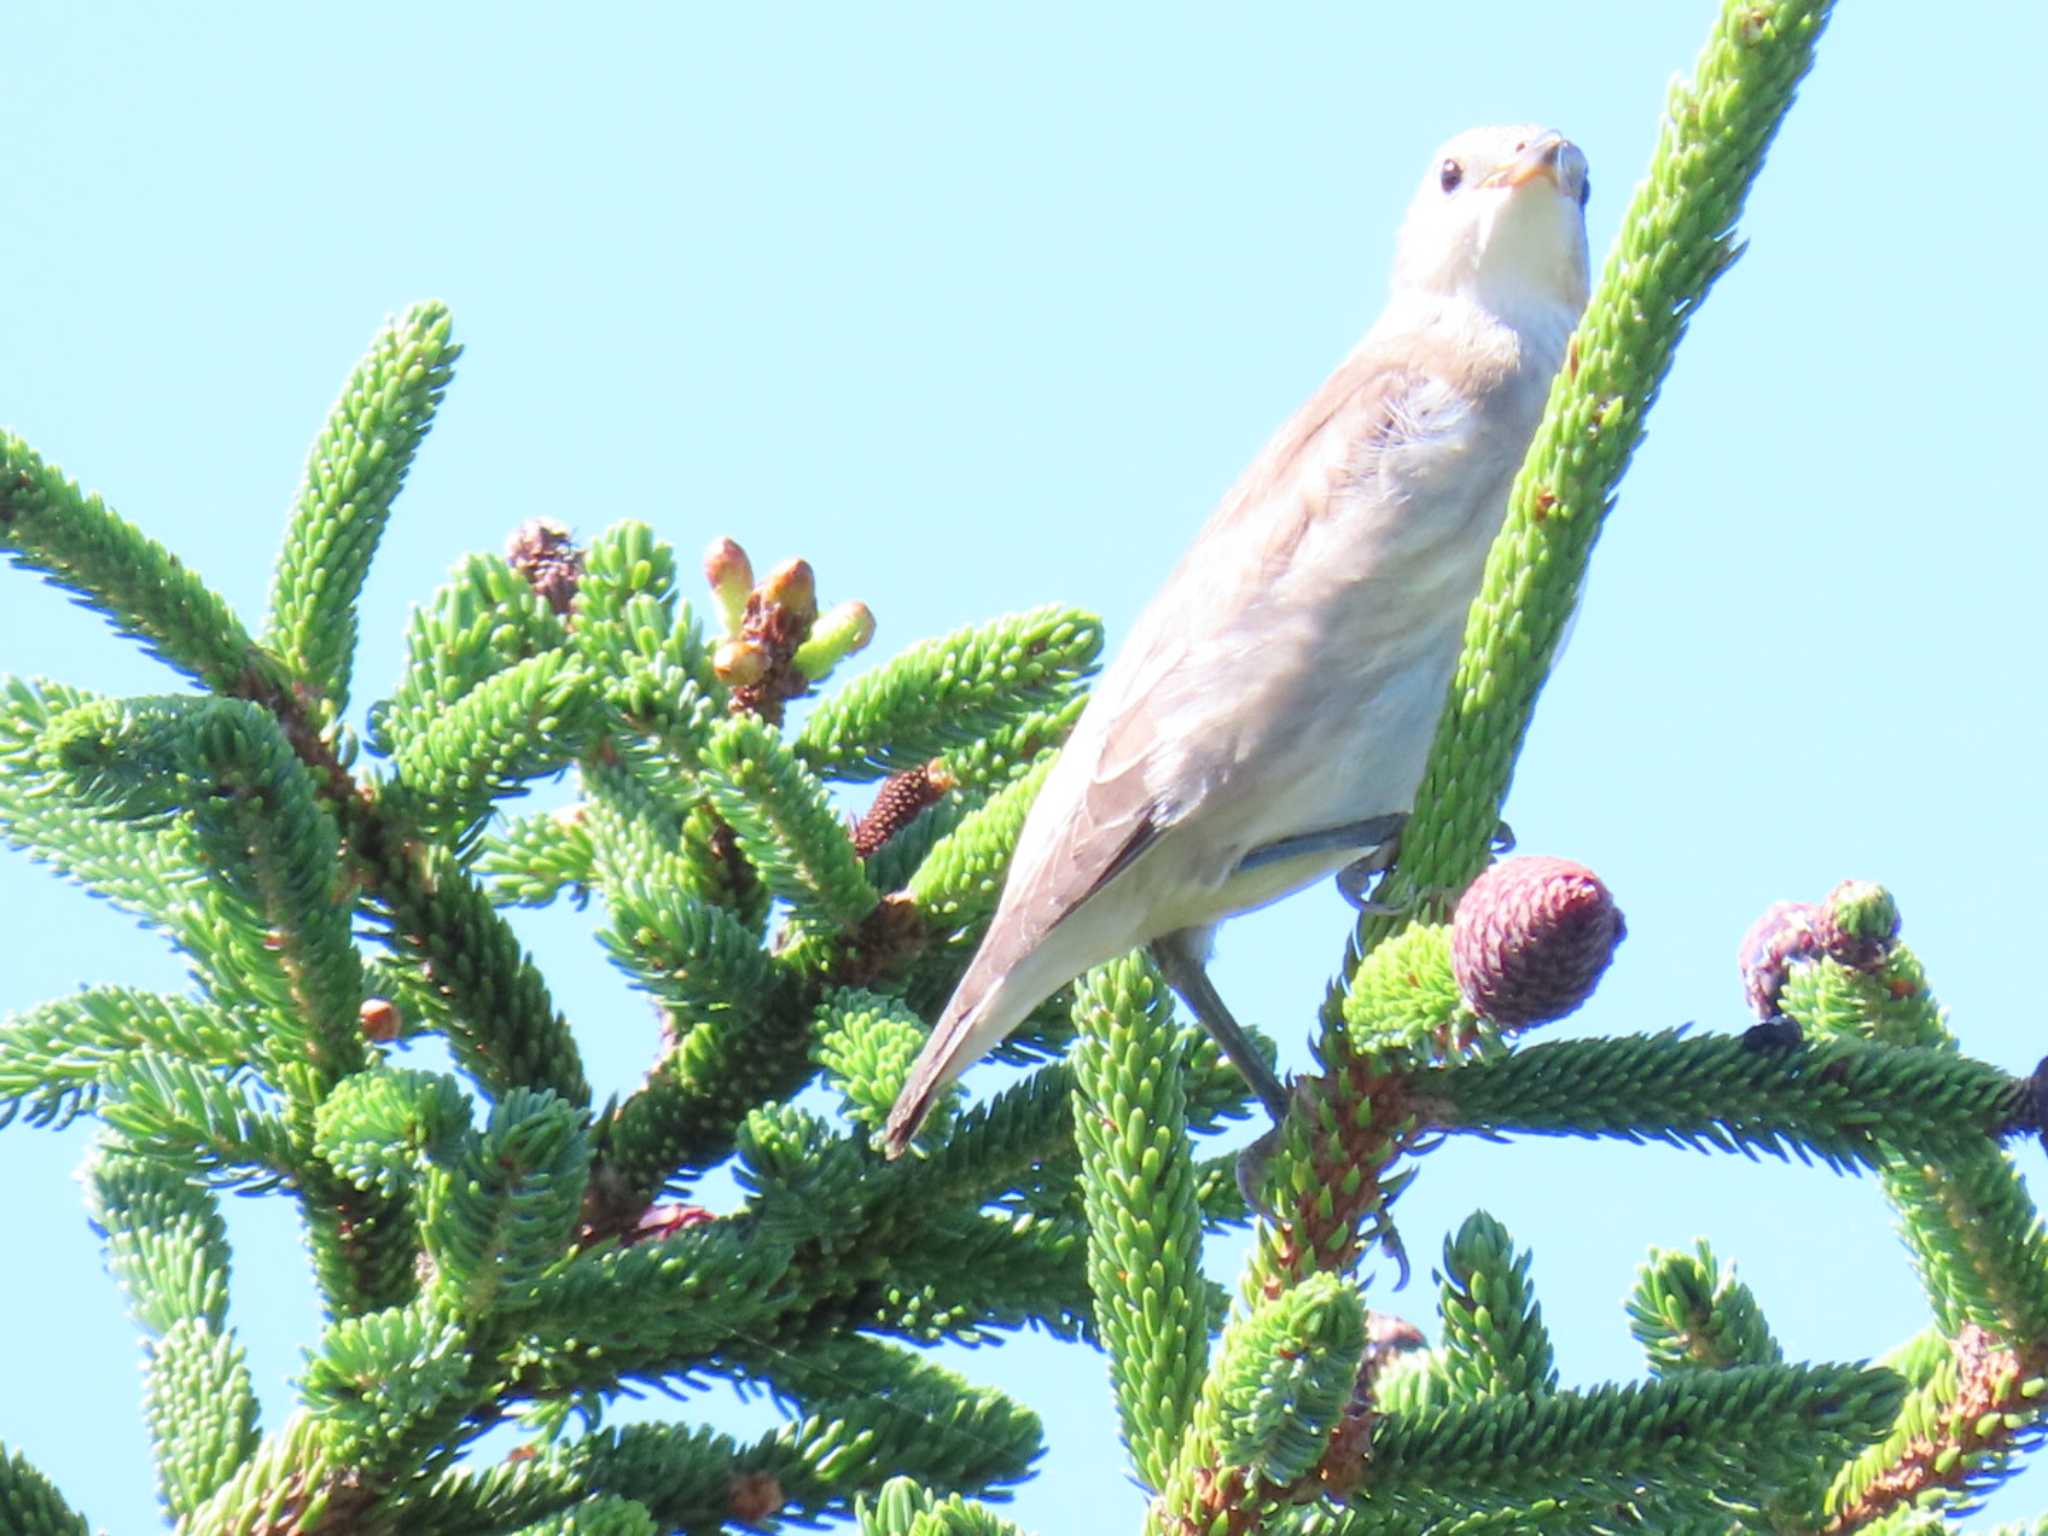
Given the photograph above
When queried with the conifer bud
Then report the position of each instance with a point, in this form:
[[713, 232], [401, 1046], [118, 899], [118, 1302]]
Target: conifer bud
[[841, 631], [792, 586], [542, 551], [1784, 935], [731, 576], [1857, 924], [739, 663], [378, 1017], [753, 1497], [1531, 938]]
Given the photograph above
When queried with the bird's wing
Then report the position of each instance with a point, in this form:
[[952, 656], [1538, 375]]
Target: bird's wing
[[1133, 768], [1160, 727]]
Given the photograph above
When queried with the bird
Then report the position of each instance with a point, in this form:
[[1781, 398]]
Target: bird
[[1267, 720]]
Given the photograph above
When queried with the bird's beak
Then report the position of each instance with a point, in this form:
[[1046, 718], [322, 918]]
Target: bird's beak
[[1538, 158]]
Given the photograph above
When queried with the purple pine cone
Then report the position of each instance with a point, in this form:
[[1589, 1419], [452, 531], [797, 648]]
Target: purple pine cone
[[1785, 933], [1531, 938]]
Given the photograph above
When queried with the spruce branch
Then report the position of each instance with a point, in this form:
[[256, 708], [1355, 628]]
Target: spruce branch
[[904, 1509], [785, 826], [1737, 1431], [523, 723], [1283, 1379], [270, 850], [76, 543], [1495, 1343], [950, 692], [868, 1411], [628, 612], [54, 1058], [1689, 1316], [1848, 1104], [30, 1505], [200, 1404], [496, 1216], [167, 1246], [1956, 1437], [502, 1025], [151, 871], [1966, 1216], [1145, 1230], [530, 860], [355, 470], [193, 1118]]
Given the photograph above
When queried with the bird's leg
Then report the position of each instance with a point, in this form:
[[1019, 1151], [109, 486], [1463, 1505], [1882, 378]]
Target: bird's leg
[[1375, 832], [1181, 964], [1179, 958]]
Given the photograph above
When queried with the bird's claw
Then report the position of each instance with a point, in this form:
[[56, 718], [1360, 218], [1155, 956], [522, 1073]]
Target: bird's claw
[[1253, 1163], [1358, 883], [1397, 1251], [1361, 881]]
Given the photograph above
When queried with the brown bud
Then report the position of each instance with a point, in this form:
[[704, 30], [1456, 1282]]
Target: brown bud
[[753, 1497], [379, 1019], [1782, 936], [541, 550], [792, 585], [1531, 938], [731, 577]]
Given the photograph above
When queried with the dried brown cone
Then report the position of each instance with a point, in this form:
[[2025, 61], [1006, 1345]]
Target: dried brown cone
[[1531, 938], [901, 799], [542, 551], [1786, 933]]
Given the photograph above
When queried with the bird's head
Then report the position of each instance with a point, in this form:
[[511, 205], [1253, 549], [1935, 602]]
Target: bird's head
[[1500, 219]]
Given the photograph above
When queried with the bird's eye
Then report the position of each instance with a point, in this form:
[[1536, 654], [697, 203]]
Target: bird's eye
[[1449, 174], [1585, 190]]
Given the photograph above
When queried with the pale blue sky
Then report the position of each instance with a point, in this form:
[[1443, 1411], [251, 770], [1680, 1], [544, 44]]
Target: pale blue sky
[[979, 308]]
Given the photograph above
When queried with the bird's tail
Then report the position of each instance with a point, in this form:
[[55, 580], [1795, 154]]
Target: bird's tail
[[982, 1011]]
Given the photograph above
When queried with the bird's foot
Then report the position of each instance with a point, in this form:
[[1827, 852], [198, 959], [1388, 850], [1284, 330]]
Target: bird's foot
[[1253, 1164], [1396, 1250], [1361, 882]]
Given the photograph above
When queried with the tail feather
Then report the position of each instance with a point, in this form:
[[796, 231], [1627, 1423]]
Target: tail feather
[[1027, 955], [953, 1046], [991, 1000]]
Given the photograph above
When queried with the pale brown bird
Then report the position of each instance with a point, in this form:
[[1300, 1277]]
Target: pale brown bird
[[1269, 715]]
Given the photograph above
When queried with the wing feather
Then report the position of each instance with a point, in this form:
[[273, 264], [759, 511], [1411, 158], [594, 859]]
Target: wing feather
[[1166, 722]]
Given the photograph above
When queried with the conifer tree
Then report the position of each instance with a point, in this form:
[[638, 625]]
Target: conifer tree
[[490, 1243]]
